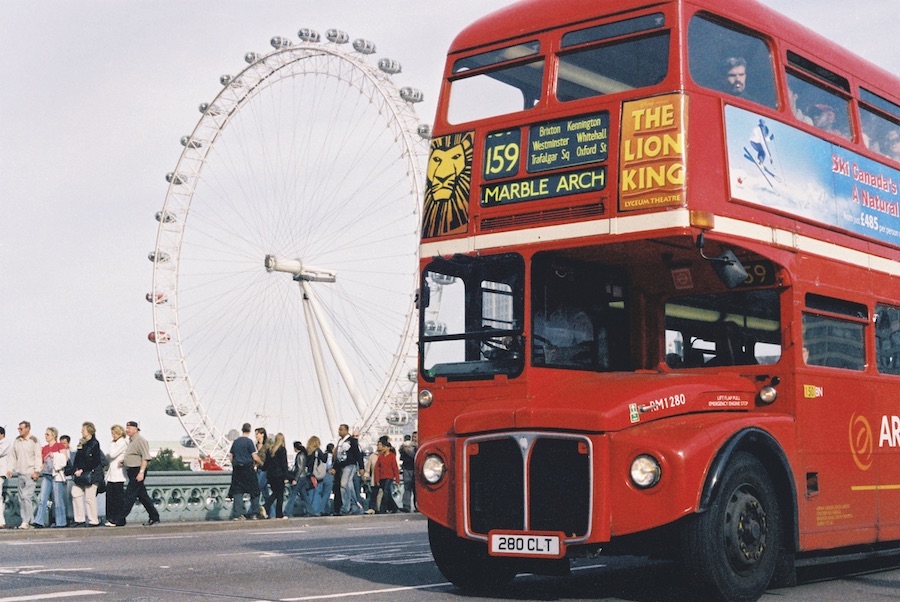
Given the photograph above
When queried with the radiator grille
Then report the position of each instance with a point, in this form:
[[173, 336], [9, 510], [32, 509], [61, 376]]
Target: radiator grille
[[556, 471]]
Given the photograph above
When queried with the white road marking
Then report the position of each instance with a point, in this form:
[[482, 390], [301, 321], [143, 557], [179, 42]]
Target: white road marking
[[71, 594], [42, 543], [35, 571], [364, 593]]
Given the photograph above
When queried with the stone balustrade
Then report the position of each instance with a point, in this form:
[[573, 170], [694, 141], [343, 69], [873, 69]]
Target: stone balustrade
[[178, 495]]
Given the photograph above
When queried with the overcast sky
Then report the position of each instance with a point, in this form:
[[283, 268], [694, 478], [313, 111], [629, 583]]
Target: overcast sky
[[94, 99]]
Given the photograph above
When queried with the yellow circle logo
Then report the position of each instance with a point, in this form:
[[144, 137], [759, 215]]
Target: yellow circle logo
[[862, 442]]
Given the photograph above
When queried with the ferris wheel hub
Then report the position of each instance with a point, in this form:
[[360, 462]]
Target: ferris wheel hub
[[299, 271]]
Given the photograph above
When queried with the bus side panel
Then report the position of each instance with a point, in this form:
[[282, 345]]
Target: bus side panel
[[685, 447]]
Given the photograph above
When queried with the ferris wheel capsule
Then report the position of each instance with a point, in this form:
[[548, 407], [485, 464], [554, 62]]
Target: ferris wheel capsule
[[389, 66], [171, 410], [164, 217], [364, 46], [424, 131], [186, 441], [176, 178], [252, 57], [397, 418], [442, 279], [158, 336], [230, 81], [336, 36], [434, 328], [188, 142], [280, 42], [309, 35], [156, 298], [208, 109], [158, 256], [166, 377], [411, 95]]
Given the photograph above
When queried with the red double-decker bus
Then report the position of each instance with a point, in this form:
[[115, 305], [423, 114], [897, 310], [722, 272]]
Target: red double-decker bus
[[660, 295]]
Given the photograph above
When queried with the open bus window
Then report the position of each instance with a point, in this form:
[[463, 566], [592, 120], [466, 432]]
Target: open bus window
[[497, 92], [887, 339], [730, 61], [614, 67], [723, 329], [816, 106], [471, 323], [578, 316]]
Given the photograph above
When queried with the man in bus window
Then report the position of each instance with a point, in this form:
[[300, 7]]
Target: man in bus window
[[734, 80]]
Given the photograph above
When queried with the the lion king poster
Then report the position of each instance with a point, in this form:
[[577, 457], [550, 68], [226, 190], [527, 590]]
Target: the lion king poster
[[449, 182]]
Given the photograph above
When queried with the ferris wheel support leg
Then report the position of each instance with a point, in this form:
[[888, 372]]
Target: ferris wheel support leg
[[336, 354], [327, 399]]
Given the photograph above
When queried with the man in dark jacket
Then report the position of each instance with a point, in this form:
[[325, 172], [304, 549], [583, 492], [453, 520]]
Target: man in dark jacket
[[348, 463]]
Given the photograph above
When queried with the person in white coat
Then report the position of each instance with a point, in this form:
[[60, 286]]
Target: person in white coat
[[115, 477]]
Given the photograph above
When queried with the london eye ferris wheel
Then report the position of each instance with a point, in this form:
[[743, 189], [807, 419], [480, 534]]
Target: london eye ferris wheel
[[284, 269]]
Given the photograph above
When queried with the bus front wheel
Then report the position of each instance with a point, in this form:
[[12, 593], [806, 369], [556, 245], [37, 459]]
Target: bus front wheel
[[466, 563], [731, 550]]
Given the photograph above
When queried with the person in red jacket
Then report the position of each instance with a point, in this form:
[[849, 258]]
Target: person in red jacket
[[387, 472]]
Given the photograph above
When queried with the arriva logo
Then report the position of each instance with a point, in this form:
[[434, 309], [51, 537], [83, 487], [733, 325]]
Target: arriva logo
[[861, 442], [862, 439]]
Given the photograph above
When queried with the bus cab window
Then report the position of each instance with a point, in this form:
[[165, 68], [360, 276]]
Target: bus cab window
[[732, 62], [578, 318], [471, 325]]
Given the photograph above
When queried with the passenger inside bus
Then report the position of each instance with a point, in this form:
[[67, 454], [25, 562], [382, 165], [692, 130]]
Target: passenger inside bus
[[734, 79], [578, 317]]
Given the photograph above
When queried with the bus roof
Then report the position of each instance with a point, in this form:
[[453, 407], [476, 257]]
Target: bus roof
[[535, 16]]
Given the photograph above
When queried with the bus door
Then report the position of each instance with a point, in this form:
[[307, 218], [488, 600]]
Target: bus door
[[835, 411], [886, 429]]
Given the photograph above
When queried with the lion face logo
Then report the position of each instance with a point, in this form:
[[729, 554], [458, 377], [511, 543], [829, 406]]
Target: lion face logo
[[449, 174]]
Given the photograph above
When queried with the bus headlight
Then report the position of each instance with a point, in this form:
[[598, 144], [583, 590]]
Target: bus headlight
[[425, 398], [645, 471], [433, 469], [768, 395]]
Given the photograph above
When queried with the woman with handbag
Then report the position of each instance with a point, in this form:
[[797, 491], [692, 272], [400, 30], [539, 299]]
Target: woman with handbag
[[84, 489], [53, 481]]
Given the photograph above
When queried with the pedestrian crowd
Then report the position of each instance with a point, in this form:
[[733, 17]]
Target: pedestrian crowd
[[340, 479], [71, 479]]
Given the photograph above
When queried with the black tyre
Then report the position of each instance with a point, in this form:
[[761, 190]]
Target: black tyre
[[731, 551], [466, 563]]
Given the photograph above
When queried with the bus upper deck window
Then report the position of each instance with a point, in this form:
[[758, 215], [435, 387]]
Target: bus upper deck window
[[732, 62], [489, 91], [816, 106], [618, 64]]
